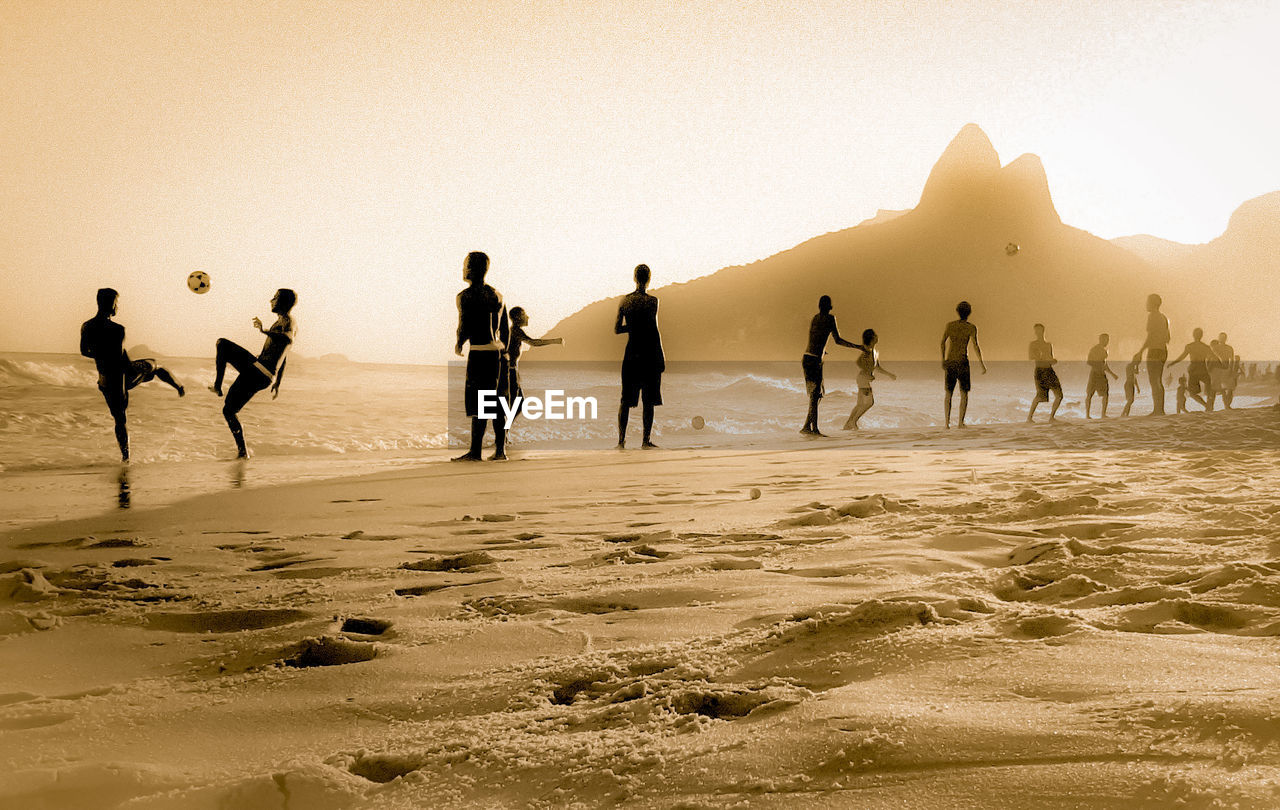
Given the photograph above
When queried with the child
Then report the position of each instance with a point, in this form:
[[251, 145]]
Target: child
[[519, 320], [868, 365], [1130, 385], [1182, 394]]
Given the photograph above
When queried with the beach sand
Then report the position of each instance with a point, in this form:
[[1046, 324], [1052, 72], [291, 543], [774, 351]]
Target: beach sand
[[1082, 614]]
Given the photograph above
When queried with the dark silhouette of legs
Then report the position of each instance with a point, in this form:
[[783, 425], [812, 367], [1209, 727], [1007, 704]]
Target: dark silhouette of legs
[[165, 377], [242, 390], [232, 354], [1155, 376], [646, 417]]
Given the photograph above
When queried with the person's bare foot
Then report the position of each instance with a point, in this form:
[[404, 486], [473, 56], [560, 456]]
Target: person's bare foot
[[182, 392], [648, 446], [621, 446], [215, 389], [468, 457], [498, 457]]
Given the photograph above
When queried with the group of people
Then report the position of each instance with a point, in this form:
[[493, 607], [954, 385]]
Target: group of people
[[1213, 368], [494, 339], [102, 339]]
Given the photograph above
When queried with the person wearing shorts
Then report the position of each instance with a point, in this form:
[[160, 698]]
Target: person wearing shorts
[[1098, 371], [821, 327], [254, 374], [1198, 354], [643, 361], [955, 360], [102, 340], [515, 390], [1156, 347], [1040, 351], [482, 323], [868, 365]]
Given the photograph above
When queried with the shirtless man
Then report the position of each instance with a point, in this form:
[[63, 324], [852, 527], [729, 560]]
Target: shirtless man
[[822, 326], [1040, 351], [1098, 383], [1157, 348], [955, 359], [1199, 354], [102, 339], [254, 374], [642, 360], [1228, 371], [482, 322]]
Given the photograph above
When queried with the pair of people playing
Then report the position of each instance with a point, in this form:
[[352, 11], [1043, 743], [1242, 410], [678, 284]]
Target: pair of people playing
[[102, 339], [821, 328], [496, 339]]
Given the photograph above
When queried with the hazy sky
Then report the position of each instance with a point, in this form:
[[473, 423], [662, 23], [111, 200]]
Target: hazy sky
[[357, 151]]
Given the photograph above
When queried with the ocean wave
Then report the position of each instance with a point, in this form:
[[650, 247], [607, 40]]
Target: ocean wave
[[25, 373]]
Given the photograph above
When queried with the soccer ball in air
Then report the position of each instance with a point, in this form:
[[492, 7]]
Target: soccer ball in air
[[198, 282], [1011, 249]]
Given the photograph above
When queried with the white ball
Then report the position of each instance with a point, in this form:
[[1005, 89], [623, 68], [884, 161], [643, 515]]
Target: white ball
[[198, 282]]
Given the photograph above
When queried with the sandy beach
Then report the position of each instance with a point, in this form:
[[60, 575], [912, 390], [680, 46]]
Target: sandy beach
[[1006, 616]]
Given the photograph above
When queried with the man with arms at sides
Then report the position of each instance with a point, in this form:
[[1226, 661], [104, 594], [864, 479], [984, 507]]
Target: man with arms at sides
[[643, 360], [955, 359], [482, 322], [1228, 371], [1157, 349], [1201, 355], [1098, 383], [1040, 351], [102, 339], [822, 326], [253, 374]]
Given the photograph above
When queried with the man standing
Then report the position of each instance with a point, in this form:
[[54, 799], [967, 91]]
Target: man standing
[[955, 359], [821, 327], [1157, 348], [1098, 371], [482, 322], [1040, 351], [103, 340], [642, 361], [1230, 371]]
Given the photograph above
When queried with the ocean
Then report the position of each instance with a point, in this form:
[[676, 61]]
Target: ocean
[[58, 456]]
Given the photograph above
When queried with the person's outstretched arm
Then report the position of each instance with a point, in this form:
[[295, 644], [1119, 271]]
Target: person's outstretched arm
[[1107, 368], [886, 371], [835, 335], [1185, 352], [620, 324], [978, 350], [546, 341], [275, 387]]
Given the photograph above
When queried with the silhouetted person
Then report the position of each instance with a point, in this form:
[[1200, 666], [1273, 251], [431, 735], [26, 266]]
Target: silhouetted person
[[1040, 351], [1130, 384], [519, 320], [1098, 383], [1228, 370], [1157, 348], [822, 326], [253, 374], [868, 365], [955, 359], [1182, 394], [1197, 367], [642, 360], [103, 340], [482, 322]]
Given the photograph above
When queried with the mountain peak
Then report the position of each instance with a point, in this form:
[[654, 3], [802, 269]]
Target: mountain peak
[[1026, 187], [968, 165]]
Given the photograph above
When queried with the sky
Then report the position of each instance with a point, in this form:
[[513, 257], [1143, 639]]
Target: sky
[[356, 151]]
